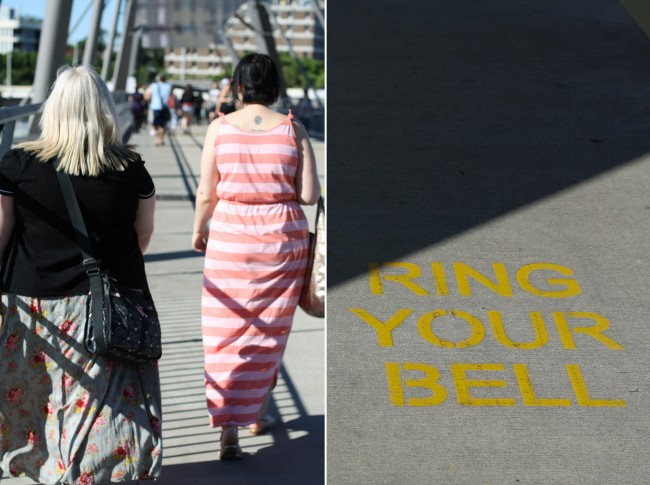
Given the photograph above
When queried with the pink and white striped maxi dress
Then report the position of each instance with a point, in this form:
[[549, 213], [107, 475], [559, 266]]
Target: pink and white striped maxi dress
[[254, 268]]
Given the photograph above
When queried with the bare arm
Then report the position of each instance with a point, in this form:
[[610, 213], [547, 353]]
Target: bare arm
[[307, 183], [206, 194], [7, 221], [144, 222], [147, 94], [222, 96]]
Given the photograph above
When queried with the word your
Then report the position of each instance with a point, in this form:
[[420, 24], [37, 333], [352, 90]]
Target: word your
[[598, 324], [464, 385]]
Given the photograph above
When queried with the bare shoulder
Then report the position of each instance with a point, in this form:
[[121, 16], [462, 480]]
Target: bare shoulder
[[299, 129], [211, 133], [214, 125]]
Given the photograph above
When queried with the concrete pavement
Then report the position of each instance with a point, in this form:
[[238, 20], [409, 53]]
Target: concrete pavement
[[488, 173]]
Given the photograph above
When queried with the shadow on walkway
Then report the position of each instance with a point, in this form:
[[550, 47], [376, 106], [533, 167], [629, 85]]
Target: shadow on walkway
[[287, 460], [475, 110]]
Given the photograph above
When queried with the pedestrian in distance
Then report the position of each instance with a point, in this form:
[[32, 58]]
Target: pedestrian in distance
[[188, 102], [226, 101], [158, 98], [138, 107], [213, 98], [305, 110], [174, 105], [257, 168], [199, 103], [67, 416]]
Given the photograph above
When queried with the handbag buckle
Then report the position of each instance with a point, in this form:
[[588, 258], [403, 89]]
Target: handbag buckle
[[90, 265]]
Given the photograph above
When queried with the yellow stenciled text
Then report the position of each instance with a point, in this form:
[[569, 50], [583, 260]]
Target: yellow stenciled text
[[565, 324], [417, 384]]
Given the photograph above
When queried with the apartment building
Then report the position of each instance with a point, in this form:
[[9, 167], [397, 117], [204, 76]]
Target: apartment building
[[16, 32], [296, 29]]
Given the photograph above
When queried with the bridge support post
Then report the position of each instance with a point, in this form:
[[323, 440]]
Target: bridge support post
[[122, 62], [111, 39], [51, 49], [264, 35], [93, 33]]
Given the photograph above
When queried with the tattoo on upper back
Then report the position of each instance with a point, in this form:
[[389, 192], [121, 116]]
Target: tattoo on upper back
[[258, 120]]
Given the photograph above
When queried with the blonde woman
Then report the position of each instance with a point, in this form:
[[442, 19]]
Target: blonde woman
[[66, 416]]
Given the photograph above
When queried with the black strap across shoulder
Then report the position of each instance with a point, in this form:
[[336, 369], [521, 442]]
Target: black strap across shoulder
[[89, 261]]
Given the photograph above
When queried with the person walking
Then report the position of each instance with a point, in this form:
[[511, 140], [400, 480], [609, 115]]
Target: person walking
[[67, 416], [226, 100], [257, 167], [213, 97], [188, 102], [174, 105], [157, 96], [305, 110], [138, 107]]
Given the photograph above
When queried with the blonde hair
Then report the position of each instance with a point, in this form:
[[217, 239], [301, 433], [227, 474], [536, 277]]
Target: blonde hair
[[79, 126]]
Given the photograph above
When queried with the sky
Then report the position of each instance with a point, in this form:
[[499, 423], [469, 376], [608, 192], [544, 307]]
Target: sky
[[36, 8]]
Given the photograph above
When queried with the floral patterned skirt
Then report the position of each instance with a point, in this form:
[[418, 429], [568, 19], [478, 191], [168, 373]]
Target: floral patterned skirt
[[66, 416]]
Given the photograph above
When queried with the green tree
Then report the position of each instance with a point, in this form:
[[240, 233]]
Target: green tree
[[293, 76], [98, 58], [23, 66], [149, 63]]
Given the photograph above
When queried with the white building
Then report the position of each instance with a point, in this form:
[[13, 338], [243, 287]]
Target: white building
[[18, 33], [295, 28]]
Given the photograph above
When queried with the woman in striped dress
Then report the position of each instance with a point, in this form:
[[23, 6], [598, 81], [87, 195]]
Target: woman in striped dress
[[257, 167]]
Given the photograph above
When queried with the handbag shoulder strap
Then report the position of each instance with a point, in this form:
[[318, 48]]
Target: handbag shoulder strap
[[89, 261], [162, 101], [80, 231]]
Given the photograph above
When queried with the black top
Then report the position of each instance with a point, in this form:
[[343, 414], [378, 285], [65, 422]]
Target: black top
[[188, 98], [44, 259]]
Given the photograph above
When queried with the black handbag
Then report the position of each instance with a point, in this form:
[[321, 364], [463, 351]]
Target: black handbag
[[165, 114], [122, 323]]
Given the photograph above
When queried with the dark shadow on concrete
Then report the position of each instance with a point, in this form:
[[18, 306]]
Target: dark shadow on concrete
[[148, 258], [196, 141], [445, 115], [287, 460], [190, 179], [175, 197], [128, 133]]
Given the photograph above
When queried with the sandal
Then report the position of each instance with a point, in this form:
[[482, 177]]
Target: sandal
[[230, 450], [263, 425]]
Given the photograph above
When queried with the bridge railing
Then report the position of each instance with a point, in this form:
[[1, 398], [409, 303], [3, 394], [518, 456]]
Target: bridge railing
[[23, 115], [8, 119]]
